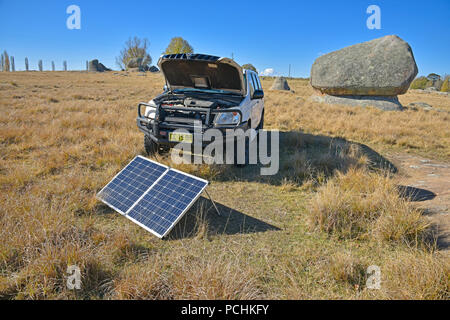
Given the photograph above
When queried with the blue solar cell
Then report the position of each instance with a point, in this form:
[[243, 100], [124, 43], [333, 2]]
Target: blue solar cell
[[166, 202], [131, 183], [151, 194]]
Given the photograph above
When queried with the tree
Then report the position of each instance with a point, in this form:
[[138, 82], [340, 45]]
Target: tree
[[419, 83], [249, 66], [446, 85], [433, 77], [178, 45], [134, 48]]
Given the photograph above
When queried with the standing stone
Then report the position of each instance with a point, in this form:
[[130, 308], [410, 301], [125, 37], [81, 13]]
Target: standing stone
[[280, 83], [65, 65], [87, 65], [95, 66], [6, 62], [53, 65], [40, 65], [26, 64], [2, 65], [13, 65], [381, 67]]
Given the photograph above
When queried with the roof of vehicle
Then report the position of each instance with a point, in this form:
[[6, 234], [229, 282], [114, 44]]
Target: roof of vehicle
[[195, 70]]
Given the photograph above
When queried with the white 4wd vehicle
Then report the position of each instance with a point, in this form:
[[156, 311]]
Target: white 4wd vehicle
[[201, 89]]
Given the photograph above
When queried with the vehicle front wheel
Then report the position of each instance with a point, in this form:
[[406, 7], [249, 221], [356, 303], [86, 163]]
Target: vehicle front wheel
[[151, 147], [246, 154], [261, 123]]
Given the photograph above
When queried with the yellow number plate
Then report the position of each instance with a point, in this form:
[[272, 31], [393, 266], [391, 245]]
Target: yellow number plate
[[180, 137]]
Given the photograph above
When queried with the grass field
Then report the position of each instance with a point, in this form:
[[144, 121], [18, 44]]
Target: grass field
[[309, 232]]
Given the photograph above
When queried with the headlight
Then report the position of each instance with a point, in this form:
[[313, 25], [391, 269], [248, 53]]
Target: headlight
[[227, 118], [150, 111]]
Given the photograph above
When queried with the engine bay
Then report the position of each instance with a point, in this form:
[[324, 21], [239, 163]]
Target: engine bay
[[189, 108]]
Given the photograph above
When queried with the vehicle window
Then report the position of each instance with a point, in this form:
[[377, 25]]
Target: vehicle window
[[251, 85], [245, 79], [257, 85]]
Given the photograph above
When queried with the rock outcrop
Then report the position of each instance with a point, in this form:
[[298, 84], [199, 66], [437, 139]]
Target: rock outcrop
[[138, 65], [280, 83], [95, 66], [381, 68], [135, 63], [380, 102]]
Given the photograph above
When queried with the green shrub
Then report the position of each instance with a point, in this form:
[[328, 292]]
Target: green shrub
[[249, 66], [446, 86], [420, 83]]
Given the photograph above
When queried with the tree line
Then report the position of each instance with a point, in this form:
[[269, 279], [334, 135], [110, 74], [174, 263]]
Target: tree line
[[134, 53], [136, 48]]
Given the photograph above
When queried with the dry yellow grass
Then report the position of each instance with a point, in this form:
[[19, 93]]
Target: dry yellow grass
[[360, 204], [424, 132], [63, 135]]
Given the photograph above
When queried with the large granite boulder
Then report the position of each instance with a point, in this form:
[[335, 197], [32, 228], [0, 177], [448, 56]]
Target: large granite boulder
[[385, 103], [437, 84], [381, 67], [280, 83]]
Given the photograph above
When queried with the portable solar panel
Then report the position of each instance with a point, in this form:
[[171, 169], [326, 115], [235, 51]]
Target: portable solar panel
[[167, 201], [152, 195], [130, 184]]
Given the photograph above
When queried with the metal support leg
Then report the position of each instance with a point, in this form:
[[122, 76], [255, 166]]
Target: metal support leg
[[214, 204]]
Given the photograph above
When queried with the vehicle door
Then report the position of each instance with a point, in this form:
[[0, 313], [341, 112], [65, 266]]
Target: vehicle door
[[258, 104]]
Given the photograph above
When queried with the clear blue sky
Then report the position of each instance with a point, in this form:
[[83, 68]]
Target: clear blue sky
[[268, 34]]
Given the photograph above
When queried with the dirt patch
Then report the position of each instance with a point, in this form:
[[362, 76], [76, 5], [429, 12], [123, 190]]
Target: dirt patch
[[427, 182]]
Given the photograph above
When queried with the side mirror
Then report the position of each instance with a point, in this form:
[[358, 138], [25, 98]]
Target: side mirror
[[258, 94]]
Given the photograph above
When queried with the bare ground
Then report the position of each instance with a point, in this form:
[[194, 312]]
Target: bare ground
[[427, 182]]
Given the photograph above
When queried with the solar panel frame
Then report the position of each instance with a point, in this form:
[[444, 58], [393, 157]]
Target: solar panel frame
[[121, 171], [148, 190], [186, 209]]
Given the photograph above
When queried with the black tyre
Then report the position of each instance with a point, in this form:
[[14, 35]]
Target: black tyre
[[261, 122], [151, 147], [246, 154]]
